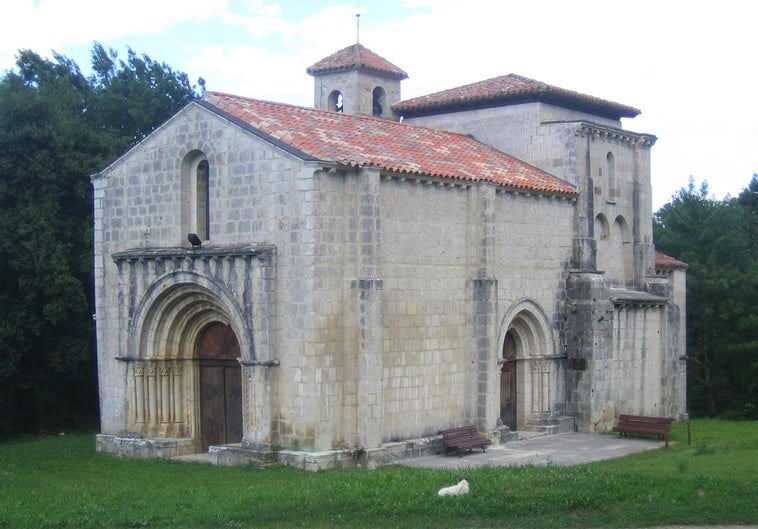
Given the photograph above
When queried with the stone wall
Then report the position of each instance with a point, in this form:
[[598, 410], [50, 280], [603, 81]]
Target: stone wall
[[357, 89], [614, 211], [402, 266], [537, 133], [619, 354], [427, 360], [258, 195]]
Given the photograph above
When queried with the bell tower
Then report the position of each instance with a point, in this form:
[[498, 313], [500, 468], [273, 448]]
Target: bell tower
[[355, 80]]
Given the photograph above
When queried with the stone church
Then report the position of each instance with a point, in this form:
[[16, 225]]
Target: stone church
[[334, 285]]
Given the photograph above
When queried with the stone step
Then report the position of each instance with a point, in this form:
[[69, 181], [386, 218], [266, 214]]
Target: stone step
[[524, 435], [194, 458], [544, 429]]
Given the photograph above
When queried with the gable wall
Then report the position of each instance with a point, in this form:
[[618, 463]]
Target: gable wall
[[258, 194]]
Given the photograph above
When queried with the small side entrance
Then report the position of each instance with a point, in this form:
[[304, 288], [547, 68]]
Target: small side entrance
[[508, 385], [220, 386], [508, 394]]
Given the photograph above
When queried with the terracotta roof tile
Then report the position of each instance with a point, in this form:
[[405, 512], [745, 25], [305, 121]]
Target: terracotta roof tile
[[355, 57], [509, 89], [664, 261], [366, 141]]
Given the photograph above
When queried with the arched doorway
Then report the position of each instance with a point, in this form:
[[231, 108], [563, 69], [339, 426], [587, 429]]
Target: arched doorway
[[508, 393], [529, 378], [220, 386]]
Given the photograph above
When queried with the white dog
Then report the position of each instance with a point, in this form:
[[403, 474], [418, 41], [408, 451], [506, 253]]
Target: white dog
[[454, 490]]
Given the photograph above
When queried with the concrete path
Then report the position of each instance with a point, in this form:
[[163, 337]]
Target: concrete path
[[561, 449]]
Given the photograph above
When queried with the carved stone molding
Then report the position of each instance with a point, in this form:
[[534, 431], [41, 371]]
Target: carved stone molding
[[234, 282], [600, 132], [261, 251]]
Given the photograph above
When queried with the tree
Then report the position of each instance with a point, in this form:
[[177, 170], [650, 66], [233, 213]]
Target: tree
[[132, 98], [56, 129], [748, 325], [716, 239]]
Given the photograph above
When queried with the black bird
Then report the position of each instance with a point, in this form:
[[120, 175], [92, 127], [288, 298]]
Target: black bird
[[194, 240]]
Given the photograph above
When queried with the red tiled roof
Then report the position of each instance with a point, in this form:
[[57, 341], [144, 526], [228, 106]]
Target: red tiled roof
[[664, 261], [354, 57], [366, 141], [509, 89]]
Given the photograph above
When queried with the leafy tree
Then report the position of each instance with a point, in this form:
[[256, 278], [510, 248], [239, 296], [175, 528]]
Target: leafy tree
[[58, 127], [132, 97], [748, 199], [717, 240], [45, 159], [748, 325]]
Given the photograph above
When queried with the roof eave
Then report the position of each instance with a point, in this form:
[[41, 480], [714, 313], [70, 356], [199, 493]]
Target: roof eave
[[386, 73], [606, 111], [451, 179]]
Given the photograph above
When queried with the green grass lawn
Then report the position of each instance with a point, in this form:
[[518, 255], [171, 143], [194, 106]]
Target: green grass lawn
[[60, 482]]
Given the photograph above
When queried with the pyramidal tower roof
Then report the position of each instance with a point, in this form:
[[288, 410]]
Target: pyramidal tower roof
[[356, 57]]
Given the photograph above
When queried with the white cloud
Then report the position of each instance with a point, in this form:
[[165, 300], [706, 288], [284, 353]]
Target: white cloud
[[277, 71], [44, 25], [249, 71]]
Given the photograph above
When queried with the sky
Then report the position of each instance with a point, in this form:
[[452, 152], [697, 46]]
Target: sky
[[690, 66]]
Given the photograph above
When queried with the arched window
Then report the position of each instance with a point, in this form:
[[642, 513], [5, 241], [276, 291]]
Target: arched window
[[614, 249], [605, 255], [378, 102], [624, 247], [336, 103], [602, 229], [195, 188], [610, 172]]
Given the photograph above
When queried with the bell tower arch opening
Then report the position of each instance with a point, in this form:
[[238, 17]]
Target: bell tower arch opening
[[368, 84], [336, 103], [379, 102]]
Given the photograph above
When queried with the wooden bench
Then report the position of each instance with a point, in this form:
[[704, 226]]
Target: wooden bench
[[640, 424], [463, 438]]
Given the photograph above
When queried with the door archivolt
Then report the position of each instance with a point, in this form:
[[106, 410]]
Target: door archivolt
[[182, 325], [526, 342]]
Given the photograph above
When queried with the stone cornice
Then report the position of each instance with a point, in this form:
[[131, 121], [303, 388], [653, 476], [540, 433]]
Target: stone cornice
[[627, 297], [599, 132], [262, 251]]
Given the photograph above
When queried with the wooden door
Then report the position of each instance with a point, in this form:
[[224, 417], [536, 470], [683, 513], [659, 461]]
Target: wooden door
[[220, 386], [508, 394]]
